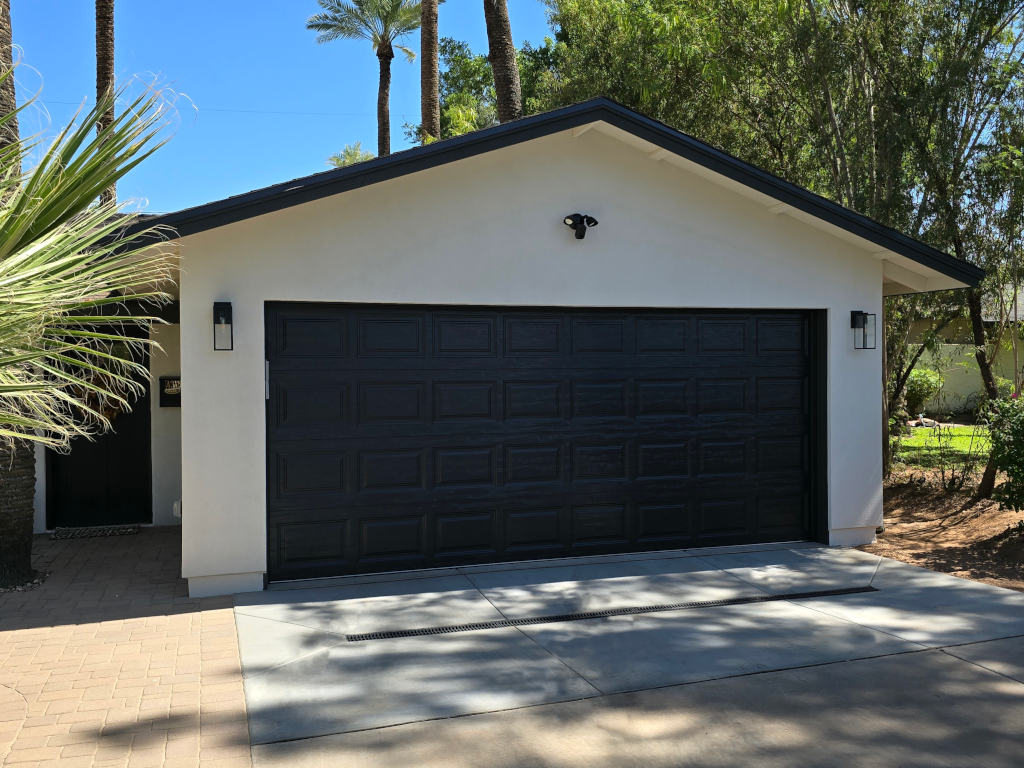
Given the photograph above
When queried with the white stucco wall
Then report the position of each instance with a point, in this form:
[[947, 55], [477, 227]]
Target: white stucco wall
[[488, 230], [166, 426]]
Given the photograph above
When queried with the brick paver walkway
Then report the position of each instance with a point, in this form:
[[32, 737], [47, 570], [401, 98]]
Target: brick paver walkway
[[109, 663]]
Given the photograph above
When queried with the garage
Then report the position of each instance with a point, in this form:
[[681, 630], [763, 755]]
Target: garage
[[404, 437], [425, 361]]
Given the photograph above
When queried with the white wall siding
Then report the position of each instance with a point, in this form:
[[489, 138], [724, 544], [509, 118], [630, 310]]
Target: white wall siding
[[488, 230], [166, 426]]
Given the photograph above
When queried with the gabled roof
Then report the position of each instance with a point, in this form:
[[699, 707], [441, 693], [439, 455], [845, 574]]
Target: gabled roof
[[308, 188]]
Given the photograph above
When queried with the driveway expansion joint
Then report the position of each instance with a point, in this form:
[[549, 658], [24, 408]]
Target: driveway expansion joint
[[532, 639], [632, 610], [946, 650]]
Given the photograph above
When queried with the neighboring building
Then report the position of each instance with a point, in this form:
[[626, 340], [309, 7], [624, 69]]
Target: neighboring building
[[962, 391], [428, 368]]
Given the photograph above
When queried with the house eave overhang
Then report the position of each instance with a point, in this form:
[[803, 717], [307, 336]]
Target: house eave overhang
[[946, 270]]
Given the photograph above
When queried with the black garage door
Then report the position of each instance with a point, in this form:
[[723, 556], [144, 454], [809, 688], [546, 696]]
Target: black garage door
[[407, 437]]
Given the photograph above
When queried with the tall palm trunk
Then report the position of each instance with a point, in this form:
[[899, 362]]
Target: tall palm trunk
[[502, 55], [384, 57], [17, 461], [8, 131], [17, 497], [105, 70], [430, 104]]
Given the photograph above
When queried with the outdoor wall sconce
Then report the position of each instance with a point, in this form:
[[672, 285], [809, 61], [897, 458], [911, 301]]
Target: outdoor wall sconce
[[863, 325], [223, 338], [579, 222]]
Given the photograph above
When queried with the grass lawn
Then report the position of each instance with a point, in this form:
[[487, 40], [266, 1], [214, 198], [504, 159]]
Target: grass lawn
[[933, 447]]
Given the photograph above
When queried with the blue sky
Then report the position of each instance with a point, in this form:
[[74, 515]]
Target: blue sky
[[259, 101]]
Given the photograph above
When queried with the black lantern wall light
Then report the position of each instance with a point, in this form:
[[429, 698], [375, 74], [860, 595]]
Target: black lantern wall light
[[863, 325], [223, 336]]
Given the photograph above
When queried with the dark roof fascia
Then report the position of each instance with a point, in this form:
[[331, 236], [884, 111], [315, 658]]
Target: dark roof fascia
[[269, 199]]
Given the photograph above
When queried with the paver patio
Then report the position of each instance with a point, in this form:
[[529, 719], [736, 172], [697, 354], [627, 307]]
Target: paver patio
[[109, 663]]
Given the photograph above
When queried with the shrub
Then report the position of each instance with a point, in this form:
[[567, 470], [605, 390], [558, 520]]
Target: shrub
[[1006, 426], [922, 386]]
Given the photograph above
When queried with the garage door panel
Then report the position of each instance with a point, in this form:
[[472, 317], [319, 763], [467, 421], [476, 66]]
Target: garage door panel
[[458, 334], [603, 335], [465, 401], [530, 335], [317, 337], [393, 538], [532, 464], [314, 544], [534, 529], [724, 335], [304, 471], [434, 436], [664, 524], [599, 525], [390, 334], [720, 517], [777, 336], [466, 533]]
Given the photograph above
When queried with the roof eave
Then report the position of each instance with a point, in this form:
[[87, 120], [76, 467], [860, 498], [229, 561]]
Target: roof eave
[[269, 199]]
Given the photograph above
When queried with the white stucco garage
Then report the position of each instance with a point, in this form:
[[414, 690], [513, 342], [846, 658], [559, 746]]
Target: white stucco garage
[[428, 367]]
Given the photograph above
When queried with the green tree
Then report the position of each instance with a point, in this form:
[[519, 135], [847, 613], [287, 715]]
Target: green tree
[[902, 111], [350, 155], [382, 23], [68, 354], [467, 97]]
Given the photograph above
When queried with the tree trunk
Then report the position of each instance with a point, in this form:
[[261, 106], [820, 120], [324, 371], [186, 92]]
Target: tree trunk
[[430, 105], [502, 55], [17, 463], [8, 103], [988, 379], [17, 492], [105, 72], [384, 57]]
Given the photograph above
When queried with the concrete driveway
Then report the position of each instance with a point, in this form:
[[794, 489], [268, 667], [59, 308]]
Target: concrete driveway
[[718, 657]]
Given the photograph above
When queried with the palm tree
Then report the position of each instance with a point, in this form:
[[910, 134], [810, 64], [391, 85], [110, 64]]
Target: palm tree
[[382, 23], [430, 100], [502, 56], [105, 71], [17, 457], [350, 155], [66, 359]]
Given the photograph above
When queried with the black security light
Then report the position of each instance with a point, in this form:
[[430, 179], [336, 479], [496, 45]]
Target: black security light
[[579, 223]]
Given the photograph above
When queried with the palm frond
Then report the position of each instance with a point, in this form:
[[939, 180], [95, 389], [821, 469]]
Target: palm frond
[[68, 358], [382, 22]]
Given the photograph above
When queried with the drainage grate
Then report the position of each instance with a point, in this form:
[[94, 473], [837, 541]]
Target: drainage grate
[[631, 610], [95, 530]]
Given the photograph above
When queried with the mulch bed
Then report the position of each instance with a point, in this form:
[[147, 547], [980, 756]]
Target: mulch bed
[[951, 532]]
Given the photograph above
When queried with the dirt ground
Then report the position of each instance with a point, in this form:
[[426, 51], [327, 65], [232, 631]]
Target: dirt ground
[[951, 532]]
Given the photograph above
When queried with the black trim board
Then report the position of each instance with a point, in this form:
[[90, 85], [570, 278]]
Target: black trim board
[[306, 189], [818, 409]]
